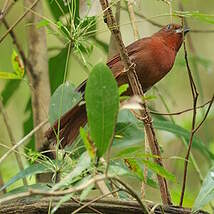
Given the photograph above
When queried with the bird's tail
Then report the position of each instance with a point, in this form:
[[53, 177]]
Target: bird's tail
[[67, 128]]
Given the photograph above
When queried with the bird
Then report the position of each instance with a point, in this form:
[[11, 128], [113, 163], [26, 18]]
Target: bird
[[153, 57]]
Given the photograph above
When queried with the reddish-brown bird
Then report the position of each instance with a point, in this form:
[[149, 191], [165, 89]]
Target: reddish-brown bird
[[154, 57]]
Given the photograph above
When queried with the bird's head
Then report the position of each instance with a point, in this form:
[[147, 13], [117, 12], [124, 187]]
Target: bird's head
[[173, 35]]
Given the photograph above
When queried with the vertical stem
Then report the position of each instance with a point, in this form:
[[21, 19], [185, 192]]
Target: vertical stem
[[112, 44], [132, 18]]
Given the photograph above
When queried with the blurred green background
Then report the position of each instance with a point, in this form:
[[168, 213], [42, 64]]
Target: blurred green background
[[174, 88]]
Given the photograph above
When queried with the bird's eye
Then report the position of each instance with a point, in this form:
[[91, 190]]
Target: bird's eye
[[168, 27]]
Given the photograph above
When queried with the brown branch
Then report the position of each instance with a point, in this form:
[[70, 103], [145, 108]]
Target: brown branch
[[6, 9], [12, 140], [181, 112], [31, 205], [137, 90], [18, 20]]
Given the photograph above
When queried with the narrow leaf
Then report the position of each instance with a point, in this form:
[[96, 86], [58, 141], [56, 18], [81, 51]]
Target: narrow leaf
[[29, 171], [206, 193]]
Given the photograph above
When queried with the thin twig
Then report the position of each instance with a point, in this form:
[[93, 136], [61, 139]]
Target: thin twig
[[94, 200], [6, 9], [181, 112], [133, 194], [132, 18], [29, 135], [82, 203], [12, 139], [18, 20]]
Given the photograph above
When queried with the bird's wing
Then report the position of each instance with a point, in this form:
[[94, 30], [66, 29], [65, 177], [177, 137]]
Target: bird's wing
[[131, 49]]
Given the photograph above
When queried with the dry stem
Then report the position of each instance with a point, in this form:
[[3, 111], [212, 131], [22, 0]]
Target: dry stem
[[194, 128]]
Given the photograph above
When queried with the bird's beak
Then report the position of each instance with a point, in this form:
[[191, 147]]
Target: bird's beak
[[186, 30], [182, 30]]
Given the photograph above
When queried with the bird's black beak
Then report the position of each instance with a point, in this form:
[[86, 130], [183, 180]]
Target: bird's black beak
[[186, 30]]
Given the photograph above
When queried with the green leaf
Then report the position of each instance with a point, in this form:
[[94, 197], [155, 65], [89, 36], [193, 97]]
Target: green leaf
[[42, 23], [82, 164], [56, 66], [29, 171], [8, 75], [206, 193], [21, 189], [178, 130], [123, 88], [88, 144], [127, 152], [102, 103], [159, 169], [127, 135], [17, 65], [61, 201], [86, 191], [63, 99]]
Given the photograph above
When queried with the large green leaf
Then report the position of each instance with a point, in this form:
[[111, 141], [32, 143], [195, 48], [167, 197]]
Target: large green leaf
[[179, 131], [63, 99], [57, 69], [102, 103], [29, 171], [206, 193]]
